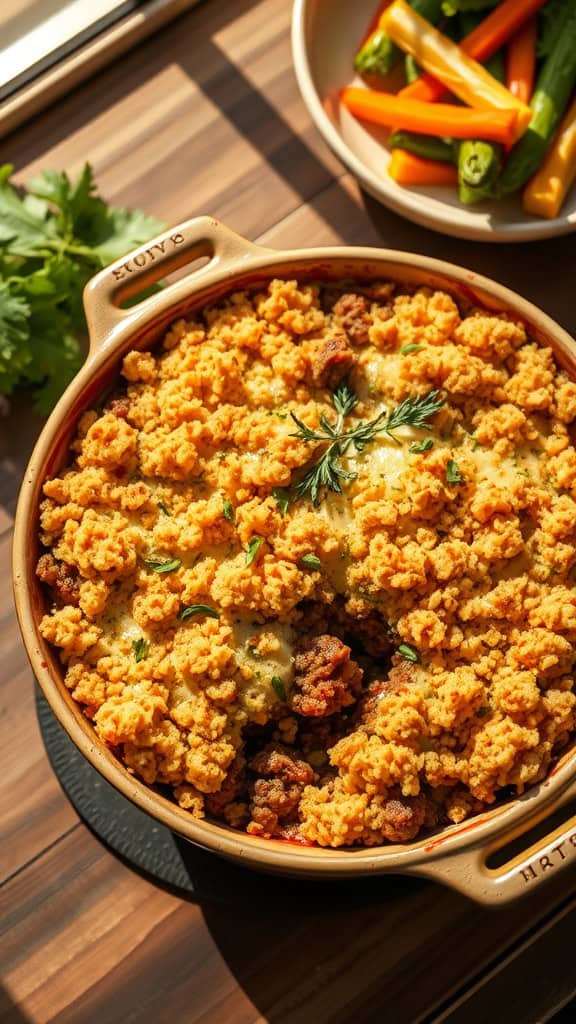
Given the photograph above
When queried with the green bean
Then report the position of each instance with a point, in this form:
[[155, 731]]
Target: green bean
[[479, 165], [549, 101], [479, 162], [379, 54], [427, 146]]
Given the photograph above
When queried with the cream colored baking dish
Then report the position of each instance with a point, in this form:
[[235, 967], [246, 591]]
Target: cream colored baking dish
[[456, 855]]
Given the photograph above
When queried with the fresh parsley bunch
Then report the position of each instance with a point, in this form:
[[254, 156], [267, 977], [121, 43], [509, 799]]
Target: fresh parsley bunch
[[53, 238]]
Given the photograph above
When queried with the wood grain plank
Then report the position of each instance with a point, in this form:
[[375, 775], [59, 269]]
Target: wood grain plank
[[33, 809], [500, 997], [102, 943], [183, 129]]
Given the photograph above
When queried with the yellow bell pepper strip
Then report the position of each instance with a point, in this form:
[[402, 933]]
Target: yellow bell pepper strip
[[408, 169], [545, 193], [492, 32], [442, 119], [450, 64]]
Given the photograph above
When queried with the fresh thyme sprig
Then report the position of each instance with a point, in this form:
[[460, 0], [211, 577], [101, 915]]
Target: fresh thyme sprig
[[327, 472]]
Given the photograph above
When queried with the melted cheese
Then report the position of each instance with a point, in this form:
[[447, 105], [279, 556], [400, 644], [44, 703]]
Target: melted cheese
[[264, 666]]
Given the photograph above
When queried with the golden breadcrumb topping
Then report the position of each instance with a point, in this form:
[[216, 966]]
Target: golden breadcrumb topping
[[389, 653]]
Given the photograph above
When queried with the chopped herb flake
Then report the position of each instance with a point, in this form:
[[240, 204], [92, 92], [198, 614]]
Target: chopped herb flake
[[409, 653], [253, 548], [453, 474], [278, 687], [163, 508], [311, 561], [282, 498], [157, 565], [140, 648], [198, 609], [407, 349], [228, 510], [482, 712], [421, 446]]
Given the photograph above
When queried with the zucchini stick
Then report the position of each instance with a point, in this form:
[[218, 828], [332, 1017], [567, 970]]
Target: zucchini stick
[[551, 96]]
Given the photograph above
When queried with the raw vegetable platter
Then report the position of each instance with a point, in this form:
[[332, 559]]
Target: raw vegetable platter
[[516, 102]]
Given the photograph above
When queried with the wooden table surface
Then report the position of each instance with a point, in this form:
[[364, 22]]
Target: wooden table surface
[[205, 117]]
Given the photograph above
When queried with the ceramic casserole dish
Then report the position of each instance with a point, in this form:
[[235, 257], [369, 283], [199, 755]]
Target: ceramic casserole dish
[[469, 856]]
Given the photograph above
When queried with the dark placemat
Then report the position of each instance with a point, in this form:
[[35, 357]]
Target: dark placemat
[[178, 865]]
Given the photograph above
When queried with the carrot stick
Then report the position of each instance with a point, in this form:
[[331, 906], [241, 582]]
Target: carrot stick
[[442, 119], [448, 62], [487, 37], [408, 169], [521, 61]]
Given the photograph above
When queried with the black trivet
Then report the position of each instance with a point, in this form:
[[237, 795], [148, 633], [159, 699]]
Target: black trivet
[[173, 862]]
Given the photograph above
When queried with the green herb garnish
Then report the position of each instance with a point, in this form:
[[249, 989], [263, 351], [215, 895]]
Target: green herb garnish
[[344, 399], [140, 648], [282, 498], [311, 561], [482, 712], [327, 472], [252, 549], [453, 474], [163, 508], [407, 349], [228, 510], [198, 609], [160, 565], [278, 687], [421, 446], [409, 653], [52, 240]]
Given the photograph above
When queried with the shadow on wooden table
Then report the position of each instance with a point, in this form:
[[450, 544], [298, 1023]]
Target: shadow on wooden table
[[10, 1013]]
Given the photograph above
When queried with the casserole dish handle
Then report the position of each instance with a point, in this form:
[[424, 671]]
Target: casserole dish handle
[[470, 873], [178, 247]]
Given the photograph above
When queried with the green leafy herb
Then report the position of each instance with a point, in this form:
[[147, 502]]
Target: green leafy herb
[[421, 446], [409, 653], [52, 240], [140, 648], [407, 349], [282, 499], [278, 687], [253, 548], [228, 510], [163, 508], [344, 399], [327, 472], [482, 712], [453, 474], [311, 561], [161, 565], [198, 609]]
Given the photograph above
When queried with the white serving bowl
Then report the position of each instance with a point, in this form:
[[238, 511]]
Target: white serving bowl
[[325, 37]]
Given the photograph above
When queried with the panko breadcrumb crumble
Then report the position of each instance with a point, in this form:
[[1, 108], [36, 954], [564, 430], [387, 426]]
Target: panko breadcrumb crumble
[[308, 609]]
